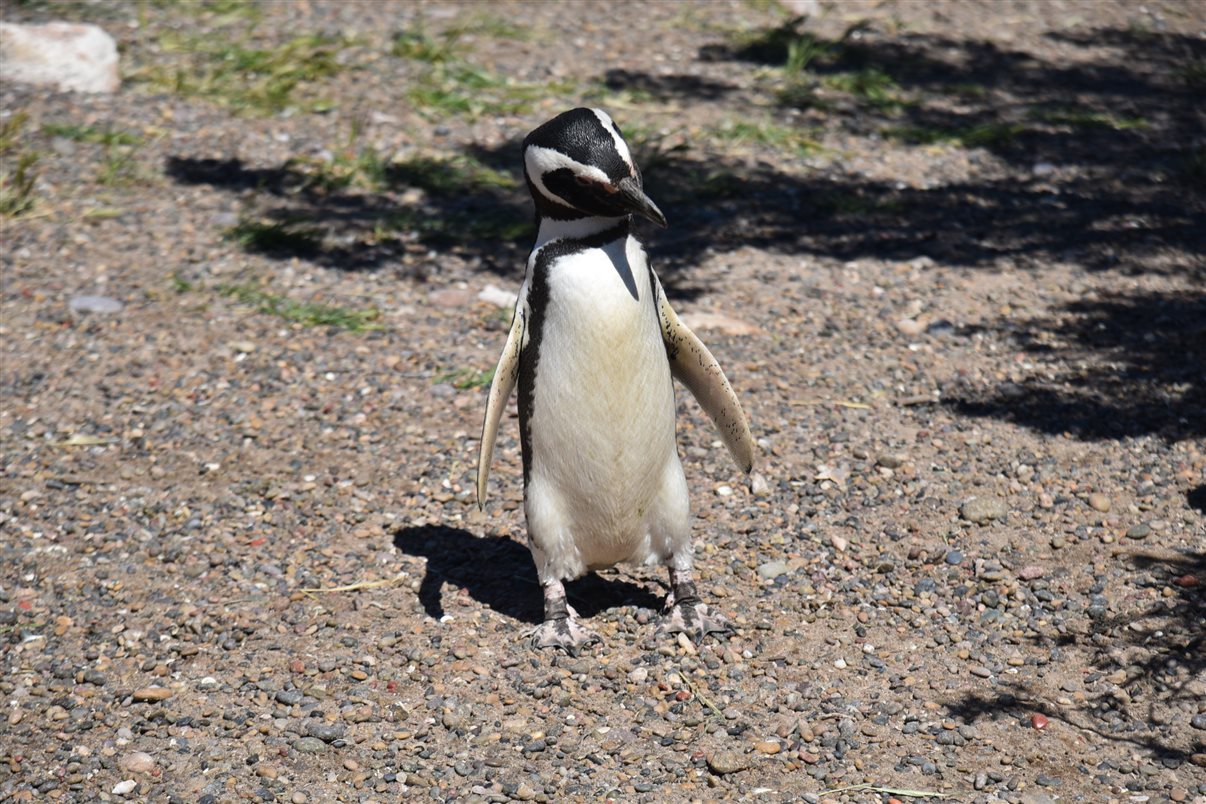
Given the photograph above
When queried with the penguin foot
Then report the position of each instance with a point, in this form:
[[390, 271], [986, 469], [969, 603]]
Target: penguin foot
[[694, 619], [565, 633]]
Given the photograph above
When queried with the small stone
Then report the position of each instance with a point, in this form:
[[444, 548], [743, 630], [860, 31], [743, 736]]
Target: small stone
[[1178, 794], [492, 294], [524, 792], [1140, 531], [1099, 502], [840, 544], [719, 322], [768, 747], [722, 762], [1031, 572], [309, 745], [1198, 721], [891, 461], [152, 694], [322, 730], [638, 675], [724, 491], [289, 697], [1038, 721], [124, 787], [137, 762], [299, 798], [982, 510], [980, 671], [772, 569], [910, 327], [758, 485], [954, 557], [101, 305]]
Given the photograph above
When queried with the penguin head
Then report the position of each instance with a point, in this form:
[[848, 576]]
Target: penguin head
[[577, 165]]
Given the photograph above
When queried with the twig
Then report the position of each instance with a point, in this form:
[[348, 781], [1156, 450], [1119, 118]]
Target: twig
[[356, 587], [891, 791], [705, 700]]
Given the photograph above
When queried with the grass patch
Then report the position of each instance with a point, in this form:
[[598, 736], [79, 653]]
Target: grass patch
[[259, 80], [462, 89], [1083, 118], [464, 379], [985, 135], [275, 237], [447, 176], [454, 227], [17, 168], [106, 136], [872, 85], [766, 134], [306, 314], [418, 44]]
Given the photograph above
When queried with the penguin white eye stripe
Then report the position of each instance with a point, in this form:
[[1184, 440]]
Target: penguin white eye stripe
[[540, 160], [610, 128]]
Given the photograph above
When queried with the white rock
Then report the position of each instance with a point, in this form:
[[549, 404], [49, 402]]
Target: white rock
[[65, 55], [123, 787], [102, 305], [492, 294], [720, 323], [137, 762]]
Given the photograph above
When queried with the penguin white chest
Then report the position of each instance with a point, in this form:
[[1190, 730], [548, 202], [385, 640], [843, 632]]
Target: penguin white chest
[[603, 456]]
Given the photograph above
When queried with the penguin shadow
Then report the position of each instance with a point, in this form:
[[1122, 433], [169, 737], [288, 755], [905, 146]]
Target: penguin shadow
[[498, 572]]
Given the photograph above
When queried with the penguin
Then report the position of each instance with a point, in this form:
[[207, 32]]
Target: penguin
[[594, 346]]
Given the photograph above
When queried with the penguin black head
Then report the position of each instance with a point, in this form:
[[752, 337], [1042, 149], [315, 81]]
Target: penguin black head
[[578, 165]]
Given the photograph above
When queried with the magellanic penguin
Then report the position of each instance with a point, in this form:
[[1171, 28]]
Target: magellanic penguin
[[593, 346]]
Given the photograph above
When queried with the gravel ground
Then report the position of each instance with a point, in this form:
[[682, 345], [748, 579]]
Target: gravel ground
[[952, 262]]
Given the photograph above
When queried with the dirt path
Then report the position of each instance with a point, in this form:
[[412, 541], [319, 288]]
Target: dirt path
[[950, 254]]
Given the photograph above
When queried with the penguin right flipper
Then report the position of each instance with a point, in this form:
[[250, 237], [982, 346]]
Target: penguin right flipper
[[695, 367], [501, 387]]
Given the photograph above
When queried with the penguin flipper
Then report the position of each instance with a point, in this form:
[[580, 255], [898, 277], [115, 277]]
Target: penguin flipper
[[695, 367], [501, 387]]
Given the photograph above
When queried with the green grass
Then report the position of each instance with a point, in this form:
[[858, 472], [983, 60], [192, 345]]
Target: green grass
[[257, 80], [418, 44], [449, 89], [17, 167], [107, 136], [1086, 119], [451, 228], [464, 379], [447, 176], [306, 314], [872, 85], [767, 134], [288, 236], [985, 135]]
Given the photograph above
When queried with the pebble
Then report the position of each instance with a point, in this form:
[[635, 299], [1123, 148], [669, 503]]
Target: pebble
[[910, 327], [954, 557], [322, 730], [772, 569], [309, 745], [137, 762], [1099, 502], [100, 305], [982, 510], [124, 787], [1198, 721], [152, 694], [722, 762], [759, 487], [1140, 531], [768, 747], [724, 491], [1031, 572]]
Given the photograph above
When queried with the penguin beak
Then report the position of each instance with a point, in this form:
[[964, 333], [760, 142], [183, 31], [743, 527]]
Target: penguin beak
[[632, 198]]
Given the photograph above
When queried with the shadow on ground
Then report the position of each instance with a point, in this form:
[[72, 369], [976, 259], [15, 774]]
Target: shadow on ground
[[1107, 368], [1098, 162], [1150, 653], [498, 573]]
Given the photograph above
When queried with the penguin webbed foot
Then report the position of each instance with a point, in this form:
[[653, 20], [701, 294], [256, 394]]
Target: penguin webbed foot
[[561, 628], [694, 619], [565, 633], [686, 614]]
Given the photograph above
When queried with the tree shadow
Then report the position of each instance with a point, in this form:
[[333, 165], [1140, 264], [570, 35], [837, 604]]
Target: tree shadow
[[498, 573], [1152, 654], [1109, 368]]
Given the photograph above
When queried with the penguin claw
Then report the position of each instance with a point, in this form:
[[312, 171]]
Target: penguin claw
[[693, 619], [567, 634]]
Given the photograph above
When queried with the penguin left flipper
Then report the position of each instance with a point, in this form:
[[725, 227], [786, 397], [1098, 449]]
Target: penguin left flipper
[[695, 367], [501, 386]]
